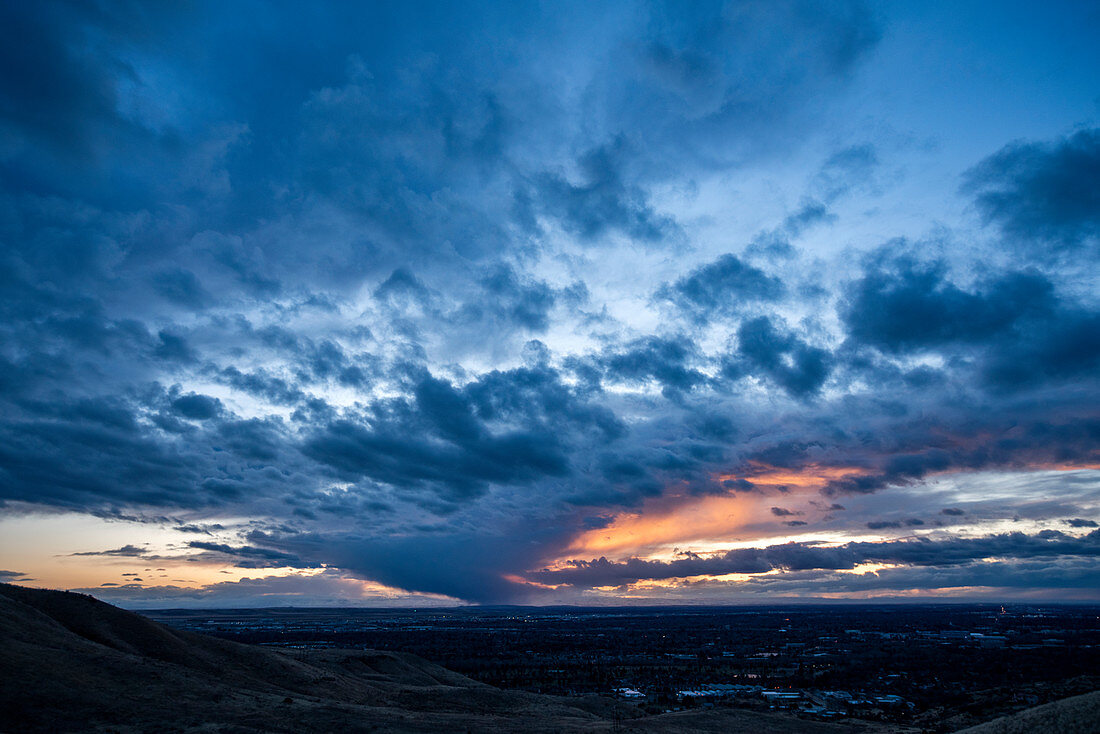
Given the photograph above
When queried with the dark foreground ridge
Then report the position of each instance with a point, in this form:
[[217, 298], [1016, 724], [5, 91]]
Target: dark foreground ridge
[[71, 663], [1075, 714]]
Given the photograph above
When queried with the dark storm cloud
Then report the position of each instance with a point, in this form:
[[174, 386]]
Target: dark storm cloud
[[1043, 194], [1014, 327], [1074, 441], [174, 348], [674, 94], [403, 284], [252, 557], [199, 529], [255, 438], [472, 569], [810, 213], [503, 302], [196, 407], [901, 305], [77, 88], [1065, 347], [460, 440], [698, 74], [390, 141], [533, 395], [390, 165], [180, 286], [667, 360], [129, 551], [524, 302], [55, 90], [601, 202], [79, 462], [780, 356], [806, 556], [132, 450], [721, 288], [275, 389], [327, 362], [385, 138]]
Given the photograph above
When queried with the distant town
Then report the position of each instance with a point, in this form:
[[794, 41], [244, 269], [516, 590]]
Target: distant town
[[935, 668]]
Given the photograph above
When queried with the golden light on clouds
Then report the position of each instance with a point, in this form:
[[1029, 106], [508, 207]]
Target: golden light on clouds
[[682, 520], [516, 579], [810, 476], [693, 519]]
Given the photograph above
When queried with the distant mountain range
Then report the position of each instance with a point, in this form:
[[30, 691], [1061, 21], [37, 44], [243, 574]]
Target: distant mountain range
[[70, 663]]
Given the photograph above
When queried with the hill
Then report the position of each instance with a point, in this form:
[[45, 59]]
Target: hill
[[1075, 715], [71, 663]]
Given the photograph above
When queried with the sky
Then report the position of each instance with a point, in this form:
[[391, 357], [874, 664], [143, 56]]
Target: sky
[[430, 304]]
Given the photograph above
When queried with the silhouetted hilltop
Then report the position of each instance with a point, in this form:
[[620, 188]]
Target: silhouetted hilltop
[[72, 663]]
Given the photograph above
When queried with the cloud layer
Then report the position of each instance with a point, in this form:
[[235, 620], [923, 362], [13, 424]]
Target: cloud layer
[[422, 296]]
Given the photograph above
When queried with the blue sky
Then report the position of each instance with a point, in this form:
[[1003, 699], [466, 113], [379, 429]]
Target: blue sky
[[550, 303]]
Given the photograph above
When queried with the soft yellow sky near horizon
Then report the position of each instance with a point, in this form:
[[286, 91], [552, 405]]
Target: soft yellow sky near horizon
[[44, 547]]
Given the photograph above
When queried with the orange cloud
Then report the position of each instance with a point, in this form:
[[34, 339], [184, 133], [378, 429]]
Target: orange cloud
[[682, 519], [704, 517], [679, 519], [693, 519], [694, 523], [520, 580], [812, 475]]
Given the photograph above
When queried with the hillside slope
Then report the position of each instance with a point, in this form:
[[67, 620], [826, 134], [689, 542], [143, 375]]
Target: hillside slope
[[70, 663], [1075, 715]]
